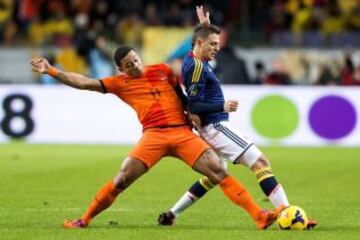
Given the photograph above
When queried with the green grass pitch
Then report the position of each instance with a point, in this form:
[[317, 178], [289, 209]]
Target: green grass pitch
[[41, 185]]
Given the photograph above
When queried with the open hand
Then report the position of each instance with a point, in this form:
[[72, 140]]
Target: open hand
[[203, 16], [40, 65], [195, 121]]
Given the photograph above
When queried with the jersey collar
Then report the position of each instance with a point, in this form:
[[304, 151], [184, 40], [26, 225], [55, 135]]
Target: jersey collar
[[192, 55]]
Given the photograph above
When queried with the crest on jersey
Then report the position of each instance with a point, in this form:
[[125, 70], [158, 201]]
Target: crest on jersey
[[162, 76], [193, 90]]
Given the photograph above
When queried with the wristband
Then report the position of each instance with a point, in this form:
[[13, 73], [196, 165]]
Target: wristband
[[53, 72]]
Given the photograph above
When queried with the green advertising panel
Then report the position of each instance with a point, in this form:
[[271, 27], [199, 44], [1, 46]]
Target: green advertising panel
[[274, 117]]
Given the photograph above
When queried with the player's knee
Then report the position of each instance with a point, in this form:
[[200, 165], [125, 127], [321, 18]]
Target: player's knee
[[222, 174], [218, 174], [131, 170], [211, 166], [261, 162], [122, 180]]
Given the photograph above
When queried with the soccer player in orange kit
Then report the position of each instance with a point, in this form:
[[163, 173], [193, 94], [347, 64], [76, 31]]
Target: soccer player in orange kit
[[153, 92]]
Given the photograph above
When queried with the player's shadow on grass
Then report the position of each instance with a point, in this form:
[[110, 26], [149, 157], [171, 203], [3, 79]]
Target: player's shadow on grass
[[139, 226], [181, 227]]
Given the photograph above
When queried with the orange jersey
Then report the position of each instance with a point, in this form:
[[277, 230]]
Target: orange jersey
[[152, 96]]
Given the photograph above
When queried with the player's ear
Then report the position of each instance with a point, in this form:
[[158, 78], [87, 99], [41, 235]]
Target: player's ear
[[119, 66], [198, 42]]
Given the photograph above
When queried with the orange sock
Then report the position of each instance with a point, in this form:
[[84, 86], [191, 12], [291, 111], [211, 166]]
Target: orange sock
[[103, 199], [238, 194]]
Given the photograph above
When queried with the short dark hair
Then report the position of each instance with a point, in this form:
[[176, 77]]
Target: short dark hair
[[121, 52], [203, 31]]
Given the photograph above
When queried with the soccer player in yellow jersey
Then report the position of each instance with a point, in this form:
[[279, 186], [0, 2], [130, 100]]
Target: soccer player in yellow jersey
[[206, 99]]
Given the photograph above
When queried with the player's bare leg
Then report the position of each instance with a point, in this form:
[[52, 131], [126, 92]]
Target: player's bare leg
[[211, 166], [131, 170]]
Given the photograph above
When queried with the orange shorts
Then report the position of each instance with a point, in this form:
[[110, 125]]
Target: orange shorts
[[179, 142]]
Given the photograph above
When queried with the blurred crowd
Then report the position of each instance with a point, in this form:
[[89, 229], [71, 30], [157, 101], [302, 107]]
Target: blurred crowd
[[93, 28], [59, 22], [62, 22], [334, 71], [325, 16]]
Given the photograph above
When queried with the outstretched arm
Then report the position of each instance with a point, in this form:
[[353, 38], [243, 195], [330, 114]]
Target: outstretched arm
[[203, 16], [75, 80]]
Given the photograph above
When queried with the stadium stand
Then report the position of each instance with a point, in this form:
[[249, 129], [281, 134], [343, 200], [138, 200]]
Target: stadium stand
[[290, 30]]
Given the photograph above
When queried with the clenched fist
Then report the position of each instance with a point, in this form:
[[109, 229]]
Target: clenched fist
[[231, 106]]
